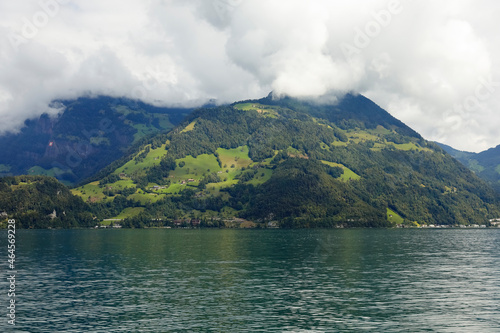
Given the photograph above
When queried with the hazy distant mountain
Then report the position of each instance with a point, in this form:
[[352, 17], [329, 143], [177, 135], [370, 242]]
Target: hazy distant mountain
[[485, 164], [90, 134]]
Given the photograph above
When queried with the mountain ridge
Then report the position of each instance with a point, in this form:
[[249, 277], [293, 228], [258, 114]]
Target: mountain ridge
[[220, 162]]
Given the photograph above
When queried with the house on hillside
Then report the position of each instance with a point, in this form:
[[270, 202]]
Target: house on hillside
[[53, 215]]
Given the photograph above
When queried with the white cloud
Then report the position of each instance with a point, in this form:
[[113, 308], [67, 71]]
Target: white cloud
[[424, 61]]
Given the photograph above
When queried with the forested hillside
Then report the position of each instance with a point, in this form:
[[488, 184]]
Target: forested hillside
[[90, 134], [485, 164], [294, 163], [42, 202]]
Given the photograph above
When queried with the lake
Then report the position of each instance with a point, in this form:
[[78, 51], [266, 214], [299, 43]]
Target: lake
[[165, 280]]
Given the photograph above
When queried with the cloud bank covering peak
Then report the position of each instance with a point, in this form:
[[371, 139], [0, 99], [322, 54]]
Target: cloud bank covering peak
[[432, 64]]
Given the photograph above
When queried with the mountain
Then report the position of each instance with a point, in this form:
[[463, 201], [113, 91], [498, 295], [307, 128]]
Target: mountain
[[41, 202], [292, 163], [87, 136], [485, 164]]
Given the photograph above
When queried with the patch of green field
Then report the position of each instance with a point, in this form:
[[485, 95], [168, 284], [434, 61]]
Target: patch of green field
[[145, 198], [406, 146], [360, 136], [245, 106], [192, 172], [412, 146], [156, 154], [196, 167], [265, 110], [293, 152], [124, 183], [228, 179], [153, 158], [233, 160], [378, 146], [449, 190], [94, 193], [90, 192], [237, 157], [338, 144], [214, 188], [267, 161], [381, 130], [252, 106], [348, 173], [174, 188], [394, 217], [21, 184], [128, 212], [189, 127]]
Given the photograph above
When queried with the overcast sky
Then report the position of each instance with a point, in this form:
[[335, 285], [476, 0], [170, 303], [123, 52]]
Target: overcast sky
[[432, 64]]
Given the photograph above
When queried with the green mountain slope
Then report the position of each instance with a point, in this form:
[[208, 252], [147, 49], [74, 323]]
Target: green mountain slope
[[485, 164], [90, 134], [41, 202], [294, 163]]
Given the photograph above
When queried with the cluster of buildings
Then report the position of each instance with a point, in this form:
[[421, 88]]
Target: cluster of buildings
[[495, 222], [192, 222]]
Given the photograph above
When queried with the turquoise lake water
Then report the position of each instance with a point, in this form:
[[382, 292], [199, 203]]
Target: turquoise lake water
[[161, 280]]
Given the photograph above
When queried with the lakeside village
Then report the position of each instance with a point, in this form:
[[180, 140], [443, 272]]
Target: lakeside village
[[240, 223]]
